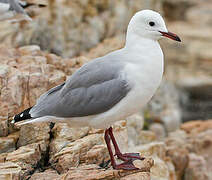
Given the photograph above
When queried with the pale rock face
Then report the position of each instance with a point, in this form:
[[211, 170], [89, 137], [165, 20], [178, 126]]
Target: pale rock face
[[9, 170]]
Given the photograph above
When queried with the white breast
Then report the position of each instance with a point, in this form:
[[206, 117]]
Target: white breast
[[144, 77]]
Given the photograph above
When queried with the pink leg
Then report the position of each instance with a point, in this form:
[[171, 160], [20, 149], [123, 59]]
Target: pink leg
[[126, 156], [128, 161]]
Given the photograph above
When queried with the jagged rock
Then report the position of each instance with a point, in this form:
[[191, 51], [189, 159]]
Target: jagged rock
[[89, 150], [63, 134], [9, 170], [90, 172], [38, 133], [8, 144], [27, 157]]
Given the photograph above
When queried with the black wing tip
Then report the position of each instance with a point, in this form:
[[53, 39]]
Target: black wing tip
[[22, 116]]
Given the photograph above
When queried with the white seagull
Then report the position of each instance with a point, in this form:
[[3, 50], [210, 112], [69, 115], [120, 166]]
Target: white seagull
[[109, 88]]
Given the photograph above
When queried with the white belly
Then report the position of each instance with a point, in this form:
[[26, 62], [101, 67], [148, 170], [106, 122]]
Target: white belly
[[144, 82]]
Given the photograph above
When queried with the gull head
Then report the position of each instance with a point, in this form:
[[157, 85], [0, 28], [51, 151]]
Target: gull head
[[150, 24]]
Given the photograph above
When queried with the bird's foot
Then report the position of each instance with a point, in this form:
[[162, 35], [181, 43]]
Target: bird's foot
[[127, 165], [129, 156]]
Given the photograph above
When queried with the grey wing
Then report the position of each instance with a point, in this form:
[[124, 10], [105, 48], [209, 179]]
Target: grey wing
[[14, 5], [94, 88]]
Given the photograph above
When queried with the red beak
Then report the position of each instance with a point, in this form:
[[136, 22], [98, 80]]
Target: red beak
[[170, 35]]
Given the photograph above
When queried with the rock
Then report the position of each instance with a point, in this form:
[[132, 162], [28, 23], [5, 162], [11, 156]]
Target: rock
[[9, 171], [4, 129], [176, 10], [38, 133], [179, 158], [91, 22], [49, 174], [63, 135], [162, 166], [197, 168], [195, 127], [8, 144], [159, 130], [165, 107], [27, 157], [90, 172], [73, 154], [135, 125], [87, 150]]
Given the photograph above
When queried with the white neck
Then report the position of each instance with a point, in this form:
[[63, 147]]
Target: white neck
[[134, 41]]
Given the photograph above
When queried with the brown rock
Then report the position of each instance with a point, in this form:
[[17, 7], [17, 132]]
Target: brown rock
[[49, 174], [196, 126], [73, 154], [27, 157], [197, 168], [87, 150], [37, 133], [92, 172], [9, 170], [4, 129], [136, 176], [180, 159], [8, 144], [156, 151], [63, 134]]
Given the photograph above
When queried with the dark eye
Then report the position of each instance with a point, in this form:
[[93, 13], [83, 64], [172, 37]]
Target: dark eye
[[151, 23]]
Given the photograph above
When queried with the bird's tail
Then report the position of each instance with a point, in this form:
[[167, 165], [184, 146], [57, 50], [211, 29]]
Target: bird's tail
[[26, 118], [22, 116]]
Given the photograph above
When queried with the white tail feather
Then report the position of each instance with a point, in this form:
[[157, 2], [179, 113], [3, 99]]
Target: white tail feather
[[37, 120]]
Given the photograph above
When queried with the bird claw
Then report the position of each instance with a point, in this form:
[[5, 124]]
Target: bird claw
[[130, 156], [127, 165]]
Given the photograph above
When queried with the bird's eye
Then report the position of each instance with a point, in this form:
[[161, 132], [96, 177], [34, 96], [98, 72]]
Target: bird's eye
[[151, 23]]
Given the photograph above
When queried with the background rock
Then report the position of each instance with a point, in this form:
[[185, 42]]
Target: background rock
[[80, 31]]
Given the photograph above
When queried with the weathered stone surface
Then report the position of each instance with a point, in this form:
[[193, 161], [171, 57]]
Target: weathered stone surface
[[69, 27], [91, 172], [27, 157], [195, 127], [10, 170], [49, 174], [63, 135], [8, 144], [156, 150], [38, 133], [197, 168]]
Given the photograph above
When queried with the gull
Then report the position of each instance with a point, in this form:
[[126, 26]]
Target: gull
[[14, 10], [109, 88]]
